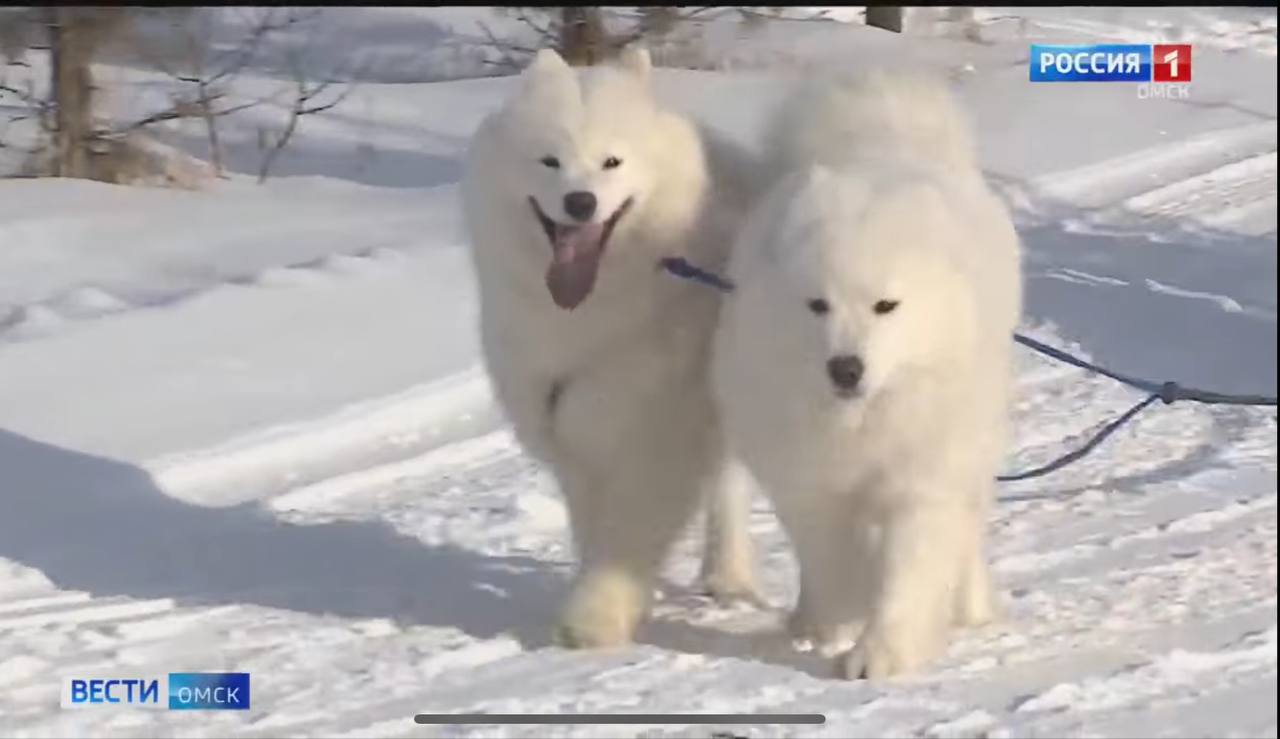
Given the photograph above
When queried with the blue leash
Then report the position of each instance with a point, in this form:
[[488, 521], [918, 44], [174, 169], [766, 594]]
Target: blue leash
[[1169, 392]]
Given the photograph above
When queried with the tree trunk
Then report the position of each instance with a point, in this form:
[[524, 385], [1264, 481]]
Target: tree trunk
[[888, 17], [71, 51], [204, 98], [657, 21], [282, 141], [211, 128], [582, 36]]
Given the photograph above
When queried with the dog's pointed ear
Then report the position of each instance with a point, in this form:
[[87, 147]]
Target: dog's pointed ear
[[635, 58], [546, 63], [548, 79]]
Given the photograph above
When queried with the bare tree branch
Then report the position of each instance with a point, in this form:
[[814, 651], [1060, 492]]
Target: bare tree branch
[[180, 109], [20, 94], [305, 103], [211, 74], [507, 61], [493, 39], [40, 108], [589, 35], [544, 31]]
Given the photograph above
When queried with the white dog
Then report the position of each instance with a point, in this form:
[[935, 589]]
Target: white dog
[[863, 366], [573, 191]]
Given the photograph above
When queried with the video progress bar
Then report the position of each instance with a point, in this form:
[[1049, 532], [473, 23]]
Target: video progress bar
[[620, 718]]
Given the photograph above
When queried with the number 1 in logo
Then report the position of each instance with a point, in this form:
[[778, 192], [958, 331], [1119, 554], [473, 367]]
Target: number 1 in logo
[[1172, 63]]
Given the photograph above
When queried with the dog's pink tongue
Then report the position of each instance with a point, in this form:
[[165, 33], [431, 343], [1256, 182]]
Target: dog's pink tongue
[[572, 273]]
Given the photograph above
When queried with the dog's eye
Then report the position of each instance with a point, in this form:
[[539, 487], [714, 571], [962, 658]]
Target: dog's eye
[[551, 162], [819, 306], [884, 306], [612, 162]]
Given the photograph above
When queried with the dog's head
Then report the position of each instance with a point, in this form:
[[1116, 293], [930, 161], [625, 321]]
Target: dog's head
[[577, 155], [855, 284]]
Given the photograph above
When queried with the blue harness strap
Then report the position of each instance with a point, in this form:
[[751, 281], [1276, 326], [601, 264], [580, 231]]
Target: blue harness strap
[[681, 268], [1168, 392]]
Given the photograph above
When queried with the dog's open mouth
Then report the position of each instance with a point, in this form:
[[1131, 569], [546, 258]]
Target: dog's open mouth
[[576, 249]]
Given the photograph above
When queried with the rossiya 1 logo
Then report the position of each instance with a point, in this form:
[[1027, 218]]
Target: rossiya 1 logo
[[1172, 63], [1161, 70]]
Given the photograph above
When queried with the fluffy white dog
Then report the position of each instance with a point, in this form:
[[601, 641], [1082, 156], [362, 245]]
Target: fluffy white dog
[[863, 366], [573, 191]]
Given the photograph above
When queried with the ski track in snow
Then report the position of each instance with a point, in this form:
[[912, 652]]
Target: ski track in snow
[[1138, 584], [44, 317], [1224, 159]]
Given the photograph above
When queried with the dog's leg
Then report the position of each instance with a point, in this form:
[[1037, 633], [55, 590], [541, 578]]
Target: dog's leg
[[976, 602], [728, 561], [624, 523], [925, 546], [529, 402], [831, 545]]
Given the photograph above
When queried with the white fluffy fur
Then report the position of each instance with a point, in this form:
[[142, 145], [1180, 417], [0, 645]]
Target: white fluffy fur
[[885, 494], [632, 437], [854, 119]]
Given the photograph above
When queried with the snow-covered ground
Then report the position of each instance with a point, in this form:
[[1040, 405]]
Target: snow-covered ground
[[246, 429]]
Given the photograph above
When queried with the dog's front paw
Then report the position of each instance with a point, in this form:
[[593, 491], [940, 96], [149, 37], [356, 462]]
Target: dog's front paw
[[976, 601], [977, 607], [732, 589], [603, 611], [828, 639], [576, 636], [882, 653]]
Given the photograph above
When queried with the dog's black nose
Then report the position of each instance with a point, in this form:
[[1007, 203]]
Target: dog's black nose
[[580, 205], [845, 371]]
